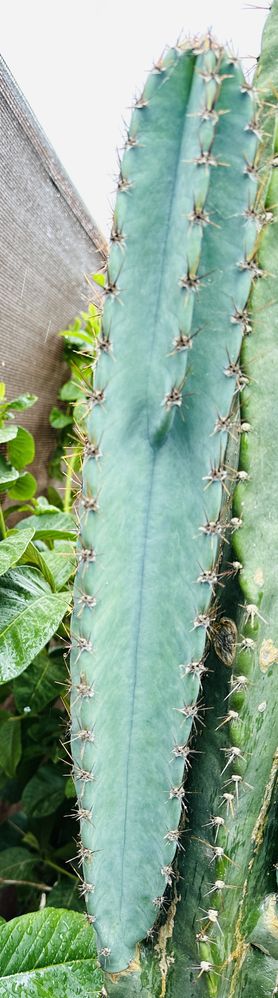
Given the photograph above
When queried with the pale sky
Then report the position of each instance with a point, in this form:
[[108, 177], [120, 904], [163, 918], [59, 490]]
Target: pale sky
[[81, 62]]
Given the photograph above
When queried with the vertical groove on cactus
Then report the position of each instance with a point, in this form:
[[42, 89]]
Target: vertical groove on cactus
[[155, 475]]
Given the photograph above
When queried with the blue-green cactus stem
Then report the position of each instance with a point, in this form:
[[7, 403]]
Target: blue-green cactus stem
[[154, 476], [237, 909]]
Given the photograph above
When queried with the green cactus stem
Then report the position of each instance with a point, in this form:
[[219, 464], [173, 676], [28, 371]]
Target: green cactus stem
[[225, 940], [155, 477]]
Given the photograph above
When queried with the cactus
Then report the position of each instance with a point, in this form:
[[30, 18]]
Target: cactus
[[167, 443]]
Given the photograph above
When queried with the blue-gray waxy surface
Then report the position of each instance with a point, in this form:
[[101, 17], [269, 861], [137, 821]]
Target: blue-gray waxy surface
[[182, 236]]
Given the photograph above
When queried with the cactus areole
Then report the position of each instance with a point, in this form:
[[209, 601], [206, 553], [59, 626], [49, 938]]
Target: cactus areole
[[155, 511]]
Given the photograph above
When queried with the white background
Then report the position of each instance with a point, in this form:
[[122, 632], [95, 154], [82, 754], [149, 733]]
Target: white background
[[81, 62]]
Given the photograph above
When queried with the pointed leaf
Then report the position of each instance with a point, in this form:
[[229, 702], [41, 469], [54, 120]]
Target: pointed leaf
[[32, 556], [21, 450], [21, 403], [49, 526], [29, 615], [47, 953], [12, 548]]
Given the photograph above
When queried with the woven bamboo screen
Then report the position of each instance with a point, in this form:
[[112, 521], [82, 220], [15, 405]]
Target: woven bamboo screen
[[48, 245]]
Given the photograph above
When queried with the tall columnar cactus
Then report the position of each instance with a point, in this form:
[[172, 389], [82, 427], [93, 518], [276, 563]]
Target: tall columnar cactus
[[160, 462]]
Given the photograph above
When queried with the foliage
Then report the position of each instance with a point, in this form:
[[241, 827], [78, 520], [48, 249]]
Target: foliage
[[48, 953], [79, 352], [17, 449], [38, 835]]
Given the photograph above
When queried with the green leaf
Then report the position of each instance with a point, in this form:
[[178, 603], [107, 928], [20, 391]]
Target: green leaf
[[59, 419], [2, 390], [80, 336], [54, 498], [99, 279], [24, 488], [22, 402], [70, 391], [12, 548], [29, 615], [42, 505], [65, 894], [17, 864], [44, 736], [7, 474], [47, 953], [7, 433], [49, 526], [44, 792], [41, 683], [70, 788], [32, 556], [10, 742], [21, 450], [61, 562]]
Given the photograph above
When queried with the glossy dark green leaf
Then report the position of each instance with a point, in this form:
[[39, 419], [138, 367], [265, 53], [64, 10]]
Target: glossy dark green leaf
[[49, 526], [7, 433], [24, 488], [40, 683], [29, 615], [44, 792], [21, 450], [10, 742], [49, 954], [59, 419], [12, 548]]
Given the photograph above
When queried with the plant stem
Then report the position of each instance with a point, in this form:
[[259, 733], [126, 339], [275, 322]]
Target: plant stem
[[69, 476], [2, 523], [26, 883], [60, 869]]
